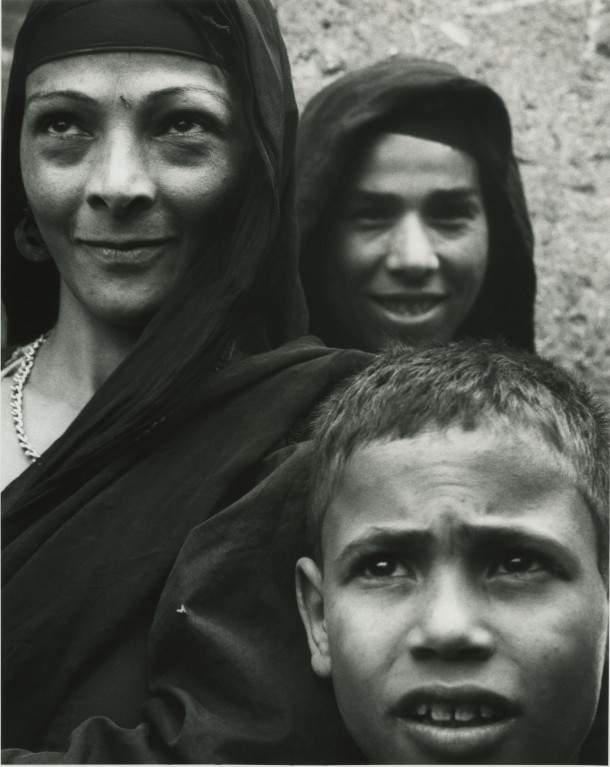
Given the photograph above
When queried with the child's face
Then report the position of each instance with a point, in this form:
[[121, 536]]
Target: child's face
[[460, 610]]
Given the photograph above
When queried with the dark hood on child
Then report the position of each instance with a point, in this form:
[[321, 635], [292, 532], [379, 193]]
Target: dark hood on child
[[433, 101]]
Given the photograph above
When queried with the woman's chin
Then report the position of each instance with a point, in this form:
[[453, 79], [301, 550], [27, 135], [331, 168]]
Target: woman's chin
[[131, 312]]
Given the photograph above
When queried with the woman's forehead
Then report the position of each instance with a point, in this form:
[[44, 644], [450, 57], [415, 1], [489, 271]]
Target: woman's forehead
[[140, 73]]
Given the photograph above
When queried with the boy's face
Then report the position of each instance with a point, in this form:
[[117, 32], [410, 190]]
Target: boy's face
[[460, 611]]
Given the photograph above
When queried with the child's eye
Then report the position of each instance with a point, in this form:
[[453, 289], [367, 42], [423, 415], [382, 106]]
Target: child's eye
[[385, 566], [452, 216], [368, 217], [518, 563]]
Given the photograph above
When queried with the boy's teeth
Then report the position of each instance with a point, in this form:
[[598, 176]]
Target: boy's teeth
[[465, 713], [441, 712]]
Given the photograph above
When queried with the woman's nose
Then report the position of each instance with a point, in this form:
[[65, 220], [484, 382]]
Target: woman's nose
[[119, 180], [451, 623], [411, 249]]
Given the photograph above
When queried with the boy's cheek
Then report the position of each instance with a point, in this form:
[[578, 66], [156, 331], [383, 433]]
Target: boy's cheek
[[364, 642]]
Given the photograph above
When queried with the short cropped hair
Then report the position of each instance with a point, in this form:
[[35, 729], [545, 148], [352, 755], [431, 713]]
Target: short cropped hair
[[466, 385]]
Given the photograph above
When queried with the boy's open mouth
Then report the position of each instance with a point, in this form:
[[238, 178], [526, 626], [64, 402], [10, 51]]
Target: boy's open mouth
[[451, 722], [460, 707], [441, 714]]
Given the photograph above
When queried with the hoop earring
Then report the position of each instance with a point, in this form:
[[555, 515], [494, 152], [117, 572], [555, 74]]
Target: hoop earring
[[29, 240]]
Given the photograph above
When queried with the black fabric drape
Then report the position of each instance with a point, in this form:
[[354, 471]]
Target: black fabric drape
[[187, 555], [148, 599], [331, 128]]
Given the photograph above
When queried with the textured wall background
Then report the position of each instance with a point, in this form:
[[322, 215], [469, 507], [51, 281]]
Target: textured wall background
[[550, 60]]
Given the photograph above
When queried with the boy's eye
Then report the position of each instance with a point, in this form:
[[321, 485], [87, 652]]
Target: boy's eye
[[520, 563], [386, 566]]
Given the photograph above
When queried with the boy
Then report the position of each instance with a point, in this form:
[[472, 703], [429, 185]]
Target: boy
[[458, 590]]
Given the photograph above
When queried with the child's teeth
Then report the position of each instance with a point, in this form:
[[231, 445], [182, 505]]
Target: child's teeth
[[465, 713], [421, 710], [441, 712], [412, 306], [486, 712]]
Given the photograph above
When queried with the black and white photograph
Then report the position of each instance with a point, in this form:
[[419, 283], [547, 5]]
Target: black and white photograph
[[305, 381]]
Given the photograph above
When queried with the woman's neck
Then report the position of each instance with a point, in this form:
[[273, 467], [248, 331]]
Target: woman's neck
[[80, 353]]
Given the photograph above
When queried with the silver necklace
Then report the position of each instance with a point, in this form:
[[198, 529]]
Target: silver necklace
[[23, 372], [21, 376]]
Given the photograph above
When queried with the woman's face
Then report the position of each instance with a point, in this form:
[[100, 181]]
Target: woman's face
[[131, 164], [406, 248]]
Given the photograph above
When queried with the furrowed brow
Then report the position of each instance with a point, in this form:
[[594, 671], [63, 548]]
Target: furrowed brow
[[382, 538], [489, 537]]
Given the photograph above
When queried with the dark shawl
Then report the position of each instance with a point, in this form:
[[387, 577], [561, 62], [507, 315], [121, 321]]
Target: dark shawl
[[148, 556], [338, 119]]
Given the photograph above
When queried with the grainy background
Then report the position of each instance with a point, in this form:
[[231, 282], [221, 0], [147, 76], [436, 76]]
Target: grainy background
[[550, 60]]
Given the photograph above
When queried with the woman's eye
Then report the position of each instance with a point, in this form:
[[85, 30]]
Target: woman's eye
[[184, 126], [62, 127]]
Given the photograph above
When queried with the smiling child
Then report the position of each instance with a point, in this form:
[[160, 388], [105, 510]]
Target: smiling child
[[458, 591]]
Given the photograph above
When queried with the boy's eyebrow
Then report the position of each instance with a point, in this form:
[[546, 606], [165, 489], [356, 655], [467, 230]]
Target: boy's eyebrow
[[479, 537], [380, 537], [488, 537]]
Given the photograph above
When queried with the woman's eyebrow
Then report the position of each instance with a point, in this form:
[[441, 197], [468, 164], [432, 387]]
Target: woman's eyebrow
[[48, 95], [185, 90]]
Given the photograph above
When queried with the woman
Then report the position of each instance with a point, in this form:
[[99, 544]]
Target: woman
[[411, 209], [151, 517]]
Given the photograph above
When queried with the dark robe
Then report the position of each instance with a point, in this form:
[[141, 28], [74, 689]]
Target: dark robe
[[148, 600], [446, 106]]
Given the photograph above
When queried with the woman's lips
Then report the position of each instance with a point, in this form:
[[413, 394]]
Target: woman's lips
[[409, 307], [129, 253]]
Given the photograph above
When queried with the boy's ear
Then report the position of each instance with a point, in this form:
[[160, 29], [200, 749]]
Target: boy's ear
[[311, 606]]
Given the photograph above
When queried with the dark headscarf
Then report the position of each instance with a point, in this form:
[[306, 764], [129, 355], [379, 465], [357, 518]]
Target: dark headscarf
[[148, 555], [431, 100]]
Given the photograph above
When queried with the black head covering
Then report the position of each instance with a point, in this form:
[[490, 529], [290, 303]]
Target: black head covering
[[431, 100]]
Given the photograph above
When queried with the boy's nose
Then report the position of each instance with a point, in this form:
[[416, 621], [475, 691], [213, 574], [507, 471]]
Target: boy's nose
[[411, 248], [119, 178], [451, 623]]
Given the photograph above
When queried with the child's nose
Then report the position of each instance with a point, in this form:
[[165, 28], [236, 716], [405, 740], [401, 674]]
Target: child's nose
[[451, 622], [412, 250]]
